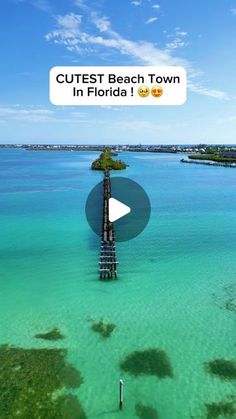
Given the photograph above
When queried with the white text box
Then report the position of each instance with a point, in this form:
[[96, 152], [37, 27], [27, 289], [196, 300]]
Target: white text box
[[115, 85]]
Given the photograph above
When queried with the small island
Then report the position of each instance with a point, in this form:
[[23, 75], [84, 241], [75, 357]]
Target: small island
[[216, 157], [106, 162], [212, 157]]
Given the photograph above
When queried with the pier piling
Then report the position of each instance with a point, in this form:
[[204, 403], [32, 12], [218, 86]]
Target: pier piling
[[121, 394]]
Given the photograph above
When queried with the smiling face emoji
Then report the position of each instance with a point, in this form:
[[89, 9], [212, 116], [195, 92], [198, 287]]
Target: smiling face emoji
[[156, 91], [143, 91]]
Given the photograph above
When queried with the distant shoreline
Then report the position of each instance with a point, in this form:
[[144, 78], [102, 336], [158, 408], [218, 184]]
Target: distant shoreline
[[200, 149]]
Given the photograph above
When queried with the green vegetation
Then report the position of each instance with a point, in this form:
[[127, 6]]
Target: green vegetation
[[148, 362], [106, 162], [212, 157], [30, 380], [223, 368], [105, 329], [145, 412], [67, 407], [230, 292], [227, 299], [231, 304], [54, 334], [214, 410]]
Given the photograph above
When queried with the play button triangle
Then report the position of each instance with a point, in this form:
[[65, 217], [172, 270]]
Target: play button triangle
[[117, 210]]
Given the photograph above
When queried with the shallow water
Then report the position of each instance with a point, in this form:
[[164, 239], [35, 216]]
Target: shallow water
[[170, 291]]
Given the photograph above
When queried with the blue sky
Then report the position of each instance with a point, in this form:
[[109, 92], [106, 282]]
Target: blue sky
[[39, 34]]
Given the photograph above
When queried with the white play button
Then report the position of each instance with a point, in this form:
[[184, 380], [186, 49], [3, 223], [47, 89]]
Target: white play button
[[129, 208], [117, 210]]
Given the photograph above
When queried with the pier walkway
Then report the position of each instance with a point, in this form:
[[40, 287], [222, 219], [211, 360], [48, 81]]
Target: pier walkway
[[108, 262]]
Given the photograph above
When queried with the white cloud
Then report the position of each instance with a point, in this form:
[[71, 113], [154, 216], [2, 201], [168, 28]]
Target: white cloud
[[143, 52], [181, 33], [201, 90], [68, 28], [156, 6], [79, 114], [177, 39], [70, 34], [33, 115], [139, 125], [80, 3], [176, 43], [43, 5], [102, 23], [30, 115], [136, 2], [151, 20], [113, 108], [70, 21]]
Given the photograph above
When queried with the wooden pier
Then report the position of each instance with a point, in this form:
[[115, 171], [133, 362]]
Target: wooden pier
[[108, 263]]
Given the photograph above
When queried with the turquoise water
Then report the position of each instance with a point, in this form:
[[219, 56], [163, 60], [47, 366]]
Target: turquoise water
[[171, 286]]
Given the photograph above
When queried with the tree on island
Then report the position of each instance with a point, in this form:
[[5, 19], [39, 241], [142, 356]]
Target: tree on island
[[106, 162], [212, 157]]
